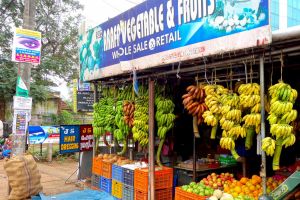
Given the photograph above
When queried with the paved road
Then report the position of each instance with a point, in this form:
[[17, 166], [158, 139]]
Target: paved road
[[53, 179]]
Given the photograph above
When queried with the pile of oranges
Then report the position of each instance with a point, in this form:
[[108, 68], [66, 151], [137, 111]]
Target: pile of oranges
[[245, 187]]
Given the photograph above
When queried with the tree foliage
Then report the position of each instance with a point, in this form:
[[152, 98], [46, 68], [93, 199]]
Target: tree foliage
[[65, 118], [58, 22]]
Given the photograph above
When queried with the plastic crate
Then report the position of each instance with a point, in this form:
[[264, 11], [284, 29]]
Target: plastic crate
[[106, 169], [163, 178], [117, 173], [128, 192], [105, 184], [117, 188], [183, 195], [128, 176], [97, 166], [96, 180], [163, 194]]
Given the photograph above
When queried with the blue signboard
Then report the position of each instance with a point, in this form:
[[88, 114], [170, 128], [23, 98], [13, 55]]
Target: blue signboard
[[43, 134], [69, 139], [158, 32]]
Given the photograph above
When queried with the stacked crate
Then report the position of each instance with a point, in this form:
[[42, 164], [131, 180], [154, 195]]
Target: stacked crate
[[105, 179], [128, 184], [117, 181], [163, 183], [96, 173]]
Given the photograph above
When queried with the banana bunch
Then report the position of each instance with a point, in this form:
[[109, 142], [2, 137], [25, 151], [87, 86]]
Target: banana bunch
[[193, 101], [281, 115], [249, 89], [165, 121], [140, 124], [122, 127], [212, 100], [268, 145], [128, 110], [227, 143], [252, 119]]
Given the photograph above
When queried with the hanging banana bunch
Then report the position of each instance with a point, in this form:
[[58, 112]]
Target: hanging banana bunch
[[250, 102], [165, 121], [128, 109], [141, 117], [193, 101], [212, 100], [281, 115], [230, 122]]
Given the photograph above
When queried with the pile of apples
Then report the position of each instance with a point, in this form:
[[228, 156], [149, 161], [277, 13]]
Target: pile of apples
[[274, 182], [217, 181]]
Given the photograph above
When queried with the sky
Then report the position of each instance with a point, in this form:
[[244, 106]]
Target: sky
[[96, 12]]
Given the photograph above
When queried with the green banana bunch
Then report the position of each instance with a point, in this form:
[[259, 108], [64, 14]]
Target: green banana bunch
[[140, 125], [165, 121], [280, 117]]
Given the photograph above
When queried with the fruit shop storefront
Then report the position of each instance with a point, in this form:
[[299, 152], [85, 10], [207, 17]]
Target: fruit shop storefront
[[195, 94]]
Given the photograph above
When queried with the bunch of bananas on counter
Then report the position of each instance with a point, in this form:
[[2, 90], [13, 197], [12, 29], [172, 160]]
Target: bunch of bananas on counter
[[230, 122], [193, 101], [281, 115], [250, 103], [165, 121], [212, 100], [128, 110], [140, 124]]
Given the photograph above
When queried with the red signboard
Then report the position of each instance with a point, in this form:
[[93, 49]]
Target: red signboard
[[86, 138]]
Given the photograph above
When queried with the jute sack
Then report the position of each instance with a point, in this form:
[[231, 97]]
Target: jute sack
[[23, 177]]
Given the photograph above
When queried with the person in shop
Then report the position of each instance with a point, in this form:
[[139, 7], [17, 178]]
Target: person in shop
[[7, 147]]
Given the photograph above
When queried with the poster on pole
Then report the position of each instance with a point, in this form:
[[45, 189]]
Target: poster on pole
[[161, 32], [85, 101], [20, 122], [26, 46], [69, 139], [86, 138]]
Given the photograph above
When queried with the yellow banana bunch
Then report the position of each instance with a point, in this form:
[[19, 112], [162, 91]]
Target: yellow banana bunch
[[289, 140], [283, 91], [273, 119], [252, 119], [227, 143], [209, 118], [249, 89], [289, 116], [226, 124], [237, 131], [281, 107], [268, 145], [215, 89], [234, 115], [281, 130]]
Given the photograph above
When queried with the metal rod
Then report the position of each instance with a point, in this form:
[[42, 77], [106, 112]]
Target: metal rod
[[194, 158], [151, 140], [262, 132]]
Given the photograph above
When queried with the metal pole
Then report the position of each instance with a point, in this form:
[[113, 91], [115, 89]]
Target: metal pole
[[194, 159], [96, 98], [263, 128], [24, 71], [151, 141]]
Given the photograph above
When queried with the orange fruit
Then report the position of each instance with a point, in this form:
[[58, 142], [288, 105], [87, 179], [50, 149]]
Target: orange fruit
[[238, 189], [257, 178], [244, 180], [252, 188], [254, 181]]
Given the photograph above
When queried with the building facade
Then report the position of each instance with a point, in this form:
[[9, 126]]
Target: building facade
[[285, 14]]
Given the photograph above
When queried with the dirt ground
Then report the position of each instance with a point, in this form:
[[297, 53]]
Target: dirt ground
[[53, 174]]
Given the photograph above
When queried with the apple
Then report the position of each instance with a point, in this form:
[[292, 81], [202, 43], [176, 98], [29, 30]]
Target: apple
[[215, 186], [206, 182], [219, 184]]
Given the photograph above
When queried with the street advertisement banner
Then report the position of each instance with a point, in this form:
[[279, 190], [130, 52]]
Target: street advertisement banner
[[43, 134], [159, 32], [69, 139], [86, 138], [20, 121], [26, 46]]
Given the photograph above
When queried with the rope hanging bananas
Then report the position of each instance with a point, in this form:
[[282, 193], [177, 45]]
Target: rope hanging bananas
[[193, 101], [212, 100], [281, 115], [165, 121], [250, 103]]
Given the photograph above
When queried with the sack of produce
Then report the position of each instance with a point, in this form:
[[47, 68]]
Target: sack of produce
[[23, 177]]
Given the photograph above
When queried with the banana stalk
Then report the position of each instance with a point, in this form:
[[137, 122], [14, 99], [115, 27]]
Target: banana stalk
[[195, 127], [124, 150], [161, 143], [276, 157], [105, 141], [234, 154], [249, 138], [214, 130]]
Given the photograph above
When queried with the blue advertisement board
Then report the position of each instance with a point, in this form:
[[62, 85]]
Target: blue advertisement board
[[69, 139], [43, 134], [158, 32]]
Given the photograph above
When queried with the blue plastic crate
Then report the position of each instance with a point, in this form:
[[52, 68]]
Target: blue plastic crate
[[117, 173], [105, 184], [128, 192], [128, 176]]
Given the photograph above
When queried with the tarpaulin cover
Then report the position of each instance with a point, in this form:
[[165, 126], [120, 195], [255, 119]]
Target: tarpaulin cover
[[77, 195]]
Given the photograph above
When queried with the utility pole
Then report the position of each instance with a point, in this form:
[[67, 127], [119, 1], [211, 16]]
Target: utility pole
[[24, 71]]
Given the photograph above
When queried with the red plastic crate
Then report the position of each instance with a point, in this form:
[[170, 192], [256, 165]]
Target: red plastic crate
[[106, 169], [97, 166], [163, 194], [180, 194], [163, 178]]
